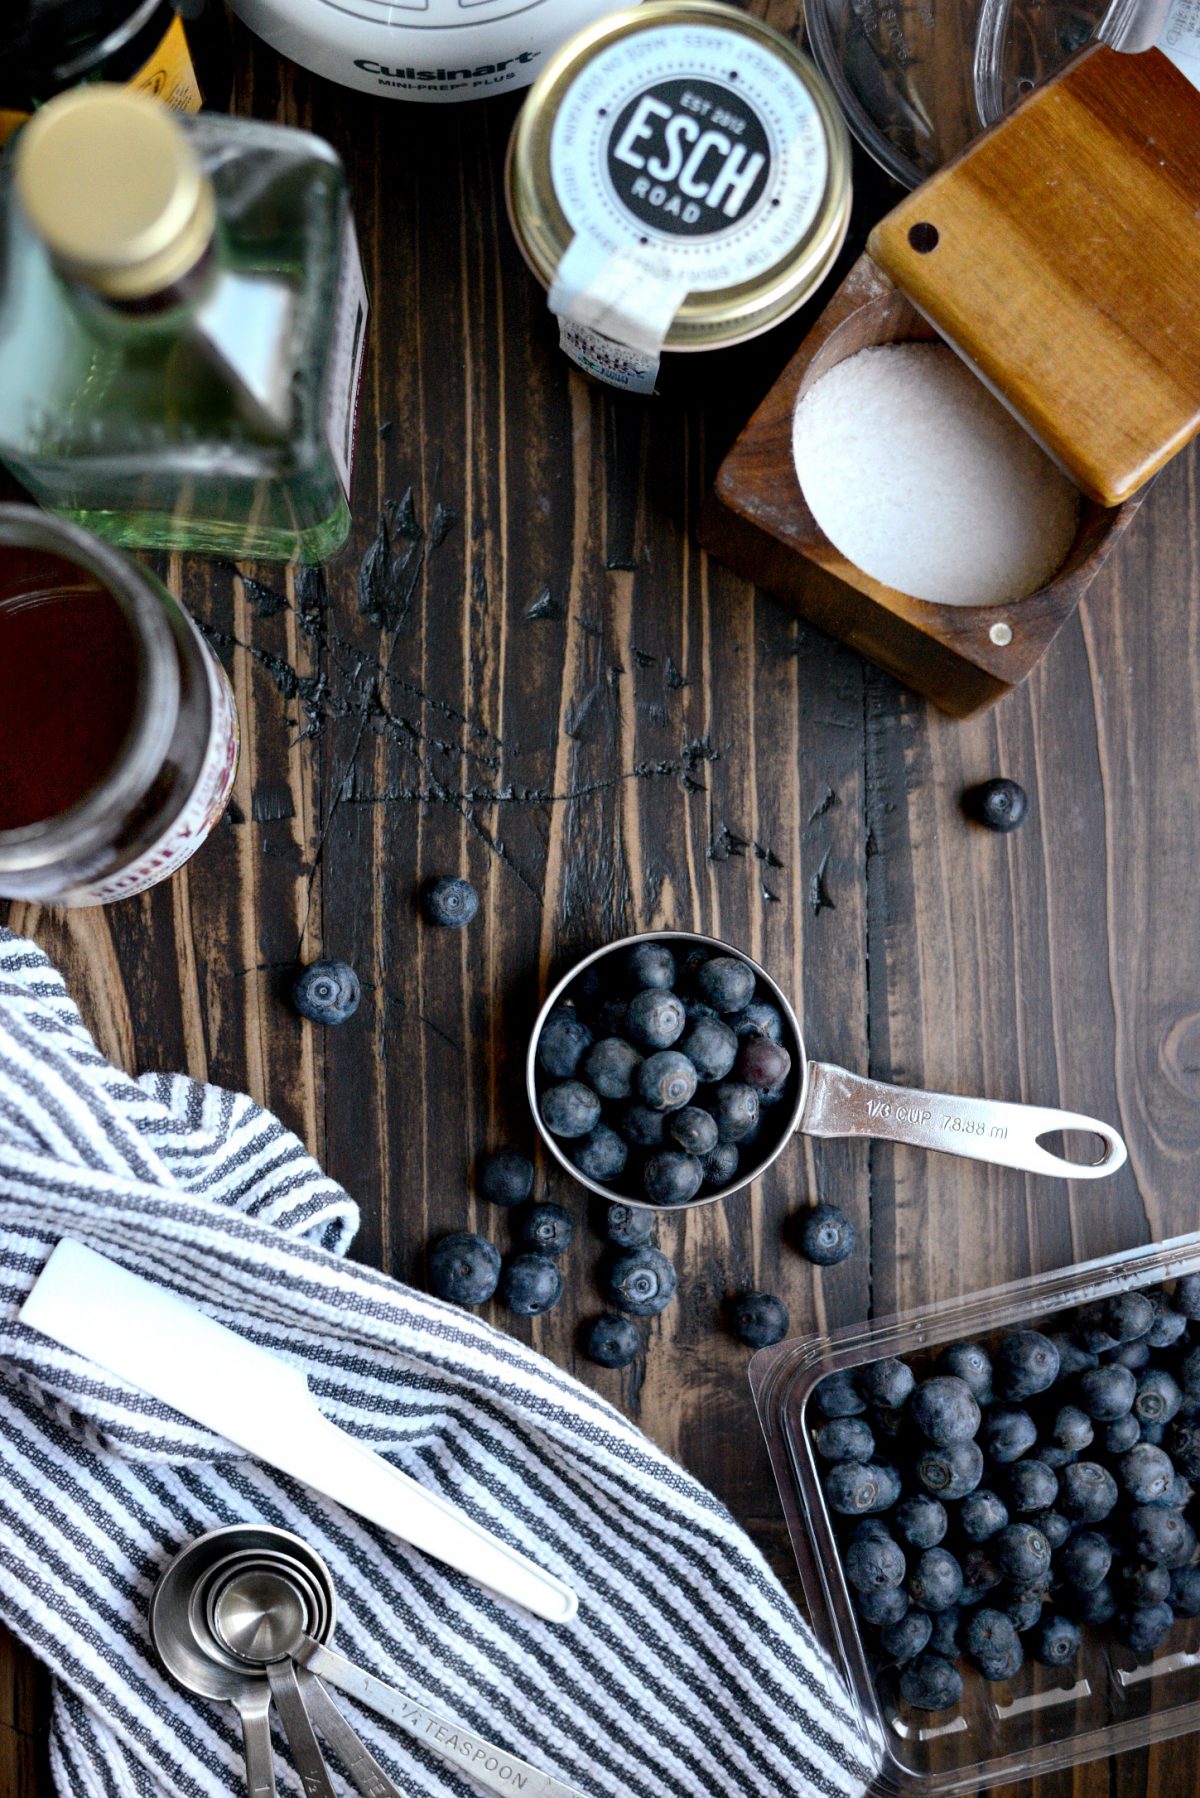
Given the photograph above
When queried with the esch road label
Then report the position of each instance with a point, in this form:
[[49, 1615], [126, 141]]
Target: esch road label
[[689, 157]]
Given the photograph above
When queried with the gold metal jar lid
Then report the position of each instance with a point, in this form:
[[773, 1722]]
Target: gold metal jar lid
[[738, 308], [112, 185]]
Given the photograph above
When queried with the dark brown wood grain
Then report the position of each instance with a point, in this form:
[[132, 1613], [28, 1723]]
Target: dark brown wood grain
[[523, 669]]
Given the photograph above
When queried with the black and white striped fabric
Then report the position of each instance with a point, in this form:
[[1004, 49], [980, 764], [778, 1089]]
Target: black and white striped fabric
[[687, 1673]]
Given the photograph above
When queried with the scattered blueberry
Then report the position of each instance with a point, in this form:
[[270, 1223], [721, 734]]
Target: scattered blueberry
[[326, 992], [989, 1638], [881, 1605], [826, 1236], [654, 1019], [505, 1177], [600, 1155], [945, 1410], [720, 1165], [650, 964], [671, 1178], [530, 1284], [1072, 1429], [463, 1268], [666, 1080], [610, 1066], [612, 1341], [693, 1130], [759, 1320], [711, 1047], [570, 1109], [547, 1228], [449, 902], [930, 1683], [1121, 1434], [628, 1226], [641, 1282], [562, 1042], [726, 983], [850, 1439], [999, 804]]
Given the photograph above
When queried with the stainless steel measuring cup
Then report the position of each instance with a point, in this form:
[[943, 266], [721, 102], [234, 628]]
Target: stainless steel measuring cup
[[822, 1099]]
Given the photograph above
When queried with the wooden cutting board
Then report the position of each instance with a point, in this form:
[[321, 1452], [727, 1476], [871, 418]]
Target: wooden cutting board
[[1060, 255]]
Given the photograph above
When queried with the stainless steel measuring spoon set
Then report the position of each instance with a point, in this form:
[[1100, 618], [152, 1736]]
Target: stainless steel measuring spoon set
[[244, 1615]]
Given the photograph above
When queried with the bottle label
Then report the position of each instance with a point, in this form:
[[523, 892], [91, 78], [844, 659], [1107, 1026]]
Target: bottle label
[[169, 74], [1180, 39], [685, 161], [348, 341], [201, 810]]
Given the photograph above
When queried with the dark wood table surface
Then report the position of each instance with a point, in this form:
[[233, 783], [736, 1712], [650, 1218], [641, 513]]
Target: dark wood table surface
[[522, 669]]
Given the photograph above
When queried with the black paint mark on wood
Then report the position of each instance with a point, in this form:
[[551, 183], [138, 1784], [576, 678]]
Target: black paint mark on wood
[[674, 678], [264, 601], [442, 523], [826, 803], [545, 606], [643, 658], [269, 804], [819, 897]]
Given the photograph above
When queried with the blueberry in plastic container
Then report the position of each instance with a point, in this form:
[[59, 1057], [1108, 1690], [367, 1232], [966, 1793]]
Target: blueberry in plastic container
[[760, 1319], [826, 1236], [1168, 1325], [1022, 1552], [1097, 1606], [601, 1154], [874, 1561], [837, 1395], [530, 1284], [1121, 1434], [930, 1683], [1186, 1296], [1072, 1429], [1185, 1592], [1006, 1432], [726, 983], [1157, 1533], [970, 1363], [1146, 1473], [945, 1409], [981, 1575], [1026, 1362], [326, 992], [946, 1627], [505, 1177], [1133, 1355], [982, 1514], [1054, 1526], [903, 1641], [1144, 1583], [887, 1382], [1057, 1642], [1107, 1392], [850, 1439], [650, 964], [641, 1282], [1183, 1441], [666, 1080], [1087, 1492], [449, 902], [1128, 1315], [854, 1488], [1072, 1356], [670, 1177], [988, 1635], [1084, 1560], [935, 1581], [562, 1042], [463, 1268], [921, 1521], [628, 1225], [610, 1067], [570, 1109], [711, 1047], [1023, 1606], [1158, 1397], [1144, 1630], [1031, 1486], [612, 1341], [951, 1472], [654, 1019], [881, 1605]]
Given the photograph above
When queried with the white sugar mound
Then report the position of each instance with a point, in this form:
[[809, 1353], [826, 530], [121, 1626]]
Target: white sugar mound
[[920, 477]]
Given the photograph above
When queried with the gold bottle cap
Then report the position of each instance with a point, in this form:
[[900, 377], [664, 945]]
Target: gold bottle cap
[[112, 185]]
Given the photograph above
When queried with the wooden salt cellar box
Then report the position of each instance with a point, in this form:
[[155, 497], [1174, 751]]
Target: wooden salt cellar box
[[1060, 256]]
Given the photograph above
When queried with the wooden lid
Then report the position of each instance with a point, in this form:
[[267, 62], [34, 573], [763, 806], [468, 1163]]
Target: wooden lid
[[1060, 255]]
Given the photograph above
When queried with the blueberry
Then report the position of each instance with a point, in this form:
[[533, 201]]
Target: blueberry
[[763, 1064], [881, 1605], [936, 1581], [944, 1409], [570, 1109], [711, 1047], [905, 1640], [886, 1382], [1056, 1643], [1144, 1630], [696, 1008], [855, 1487], [612, 1341], [1054, 1526], [1031, 1486], [1022, 1605], [837, 1395], [1121, 1434], [735, 1108], [1133, 1355], [641, 1282], [1006, 1432], [1096, 1606], [981, 1575], [628, 1225], [1022, 1551], [759, 1319], [1072, 1357], [1158, 1396], [930, 1683], [642, 1128], [848, 1439], [463, 1268], [562, 1042], [951, 1472], [873, 1562], [1181, 1494], [547, 1228], [1026, 1362], [826, 1236], [694, 1130], [945, 1629], [666, 1080], [600, 1155], [692, 960], [1071, 1429], [1168, 1325], [971, 1364], [530, 1284], [988, 1636], [610, 1066], [1106, 1393], [759, 1018], [609, 1019], [650, 964], [1189, 1373], [921, 1521], [654, 1019], [720, 1165], [1143, 1583], [1186, 1296], [671, 1178], [1157, 1533], [1051, 1455], [1185, 1591], [870, 1529], [326, 992], [450, 902], [1155, 1433], [1085, 1560], [1087, 1492], [505, 1177], [1006, 1668], [982, 1514], [726, 982], [1127, 1315], [1146, 1474], [1000, 804]]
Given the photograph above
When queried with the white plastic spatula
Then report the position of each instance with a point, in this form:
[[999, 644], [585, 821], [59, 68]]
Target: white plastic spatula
[[164, 1346]]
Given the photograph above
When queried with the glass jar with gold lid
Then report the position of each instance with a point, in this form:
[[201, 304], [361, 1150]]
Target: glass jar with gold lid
[[678, 178]]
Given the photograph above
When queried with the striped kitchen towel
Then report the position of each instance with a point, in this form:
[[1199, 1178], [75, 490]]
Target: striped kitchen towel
[[686, 1674]]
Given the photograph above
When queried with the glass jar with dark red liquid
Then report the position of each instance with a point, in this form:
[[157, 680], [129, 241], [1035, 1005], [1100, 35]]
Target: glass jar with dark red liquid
[[118, 735]]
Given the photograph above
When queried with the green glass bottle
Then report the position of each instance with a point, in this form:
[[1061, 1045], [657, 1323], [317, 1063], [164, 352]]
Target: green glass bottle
[[182, 320]]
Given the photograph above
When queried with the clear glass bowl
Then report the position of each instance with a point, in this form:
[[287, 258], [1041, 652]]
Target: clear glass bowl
[[1043, 1719]]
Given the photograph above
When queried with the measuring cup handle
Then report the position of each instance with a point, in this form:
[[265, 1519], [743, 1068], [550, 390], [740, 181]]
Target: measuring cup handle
[[839, 1103], [255, 1714]]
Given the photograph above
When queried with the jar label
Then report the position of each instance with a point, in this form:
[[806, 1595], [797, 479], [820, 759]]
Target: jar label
[[1180, 38], [687, 161], [170, 74], [606, 360], [347, 343]]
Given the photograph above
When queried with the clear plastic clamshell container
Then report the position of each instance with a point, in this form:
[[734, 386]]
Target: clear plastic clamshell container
[[1043, 1719]]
